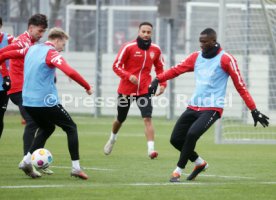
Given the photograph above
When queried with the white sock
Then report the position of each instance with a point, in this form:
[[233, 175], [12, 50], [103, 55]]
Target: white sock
[[113, 136], [199, 161], [150, 146], [76, 164], [27, 158], [178, 170]]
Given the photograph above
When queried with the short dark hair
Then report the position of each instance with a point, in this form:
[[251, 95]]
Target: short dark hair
[[1, 22], [145, 23], [210, 32], [38, 20]]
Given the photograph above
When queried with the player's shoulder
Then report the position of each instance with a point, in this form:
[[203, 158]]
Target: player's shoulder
[[130, 43], [155, 46], [24, 37], [193, 55], [227, 57], [128, 46]]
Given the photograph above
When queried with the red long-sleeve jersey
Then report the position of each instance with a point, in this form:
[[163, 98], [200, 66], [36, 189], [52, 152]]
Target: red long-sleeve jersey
[[16, 66], [228, 64], [10, 39], [53, 59], [131, 60]]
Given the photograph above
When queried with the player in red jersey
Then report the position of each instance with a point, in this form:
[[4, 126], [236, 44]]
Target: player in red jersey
[[5, 39], [133, 65], [13, 79]]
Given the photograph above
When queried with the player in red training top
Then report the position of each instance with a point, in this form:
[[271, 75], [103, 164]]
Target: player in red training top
[[13, 79], [40, 98], [212, 67], [133, 65], [5, 39]]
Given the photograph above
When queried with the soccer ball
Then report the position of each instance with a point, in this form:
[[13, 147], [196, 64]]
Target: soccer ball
[[42, 158]]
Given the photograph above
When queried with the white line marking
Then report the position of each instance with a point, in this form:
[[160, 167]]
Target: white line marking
[[272, 183], [226, 177], [88, 168], [161, 184], [130, 184], [30, 186]]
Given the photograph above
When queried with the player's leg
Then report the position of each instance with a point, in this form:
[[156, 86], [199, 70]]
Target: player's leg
[[204, 121], [123, 106], [31, 127], [61, 118], [178, 137], [45, 131], [145, 105], [4, 98]]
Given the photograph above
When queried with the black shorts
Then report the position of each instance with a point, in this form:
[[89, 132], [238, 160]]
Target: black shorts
[[143, 102]]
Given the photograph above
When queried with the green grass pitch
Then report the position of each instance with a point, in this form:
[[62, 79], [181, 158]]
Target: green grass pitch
[[235, 171]]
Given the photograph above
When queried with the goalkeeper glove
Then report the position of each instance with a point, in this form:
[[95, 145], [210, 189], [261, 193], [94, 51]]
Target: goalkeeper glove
[[153, 87], [6, 83], [259, 117]]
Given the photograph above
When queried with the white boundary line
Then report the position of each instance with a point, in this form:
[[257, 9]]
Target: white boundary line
[[226, 177], [130, 184], [31, 186], [88, 168], [102, 185], [202, 174]]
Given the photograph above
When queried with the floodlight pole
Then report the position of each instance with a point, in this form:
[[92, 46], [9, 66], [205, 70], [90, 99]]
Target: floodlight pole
[[98, 67]]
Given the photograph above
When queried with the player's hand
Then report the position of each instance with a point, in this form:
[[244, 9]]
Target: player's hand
[[6, 83], [133, 79], [153, 87], [259, 117], [161, 90]]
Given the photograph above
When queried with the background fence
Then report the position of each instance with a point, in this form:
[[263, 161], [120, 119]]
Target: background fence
[[243, 28]]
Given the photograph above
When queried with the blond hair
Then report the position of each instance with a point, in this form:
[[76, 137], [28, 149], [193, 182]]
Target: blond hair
[[56, 32]]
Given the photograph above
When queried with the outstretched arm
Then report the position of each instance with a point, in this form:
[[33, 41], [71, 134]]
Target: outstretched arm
[[186, 65], [54, 59], [229, 64]]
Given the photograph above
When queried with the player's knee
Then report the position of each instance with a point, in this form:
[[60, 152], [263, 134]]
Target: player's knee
[[72, 128], [147, 120], [121, 119], [192, 136], [52, 129], [173, 141]]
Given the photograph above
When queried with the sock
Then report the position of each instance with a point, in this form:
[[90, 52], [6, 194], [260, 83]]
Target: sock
[[199, 161], [178, 170], [150, 146], [76, 164], [27, 158], [113, 136]]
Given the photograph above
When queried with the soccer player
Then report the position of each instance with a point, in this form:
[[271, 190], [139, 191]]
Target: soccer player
[[212, 67], [40, 98], [5, 39], [133, 65], [13, 79]]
